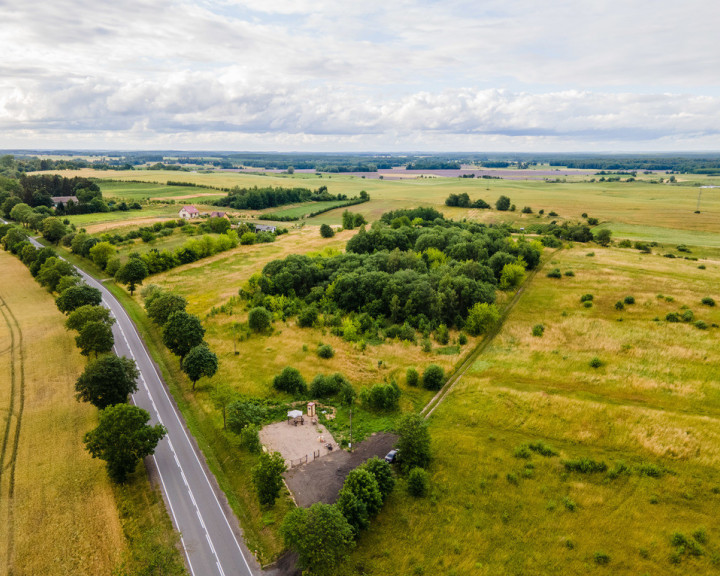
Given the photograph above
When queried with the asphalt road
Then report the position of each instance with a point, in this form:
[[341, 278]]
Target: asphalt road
[[210, 544]]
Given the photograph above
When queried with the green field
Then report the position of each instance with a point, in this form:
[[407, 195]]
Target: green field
[[302, 210], [650, 411], [139, 191]]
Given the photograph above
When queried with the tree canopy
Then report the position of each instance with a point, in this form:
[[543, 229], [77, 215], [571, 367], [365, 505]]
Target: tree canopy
[[200, 361], [132, 273], [182, 332], [95, 337], [122, 438], [414, 442], [107, 380], [267, 477], [76, 296]]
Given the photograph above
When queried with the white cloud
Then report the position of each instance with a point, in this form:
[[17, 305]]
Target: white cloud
[[422, 74]]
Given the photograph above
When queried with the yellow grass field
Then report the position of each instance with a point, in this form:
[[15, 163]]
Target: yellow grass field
[[62, 518]]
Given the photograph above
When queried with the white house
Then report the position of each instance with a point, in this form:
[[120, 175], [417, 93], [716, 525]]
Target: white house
[[189, 212]]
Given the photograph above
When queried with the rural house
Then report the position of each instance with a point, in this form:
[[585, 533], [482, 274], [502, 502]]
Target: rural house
[[219, 215], [264, 228], [189, 212], [63, 199]]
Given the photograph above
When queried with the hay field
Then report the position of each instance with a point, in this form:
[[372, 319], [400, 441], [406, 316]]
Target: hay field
[[62, 518], [655, 400]]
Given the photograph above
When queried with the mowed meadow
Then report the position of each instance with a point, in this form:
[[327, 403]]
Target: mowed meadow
[[62, 517], [650, 412]]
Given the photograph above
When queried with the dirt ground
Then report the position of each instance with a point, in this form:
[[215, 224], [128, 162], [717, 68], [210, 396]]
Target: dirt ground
[[296, 442], [322, 479]]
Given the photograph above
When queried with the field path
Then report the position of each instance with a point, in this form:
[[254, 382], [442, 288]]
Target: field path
[[11, 434], [197, 505], [436, 400]]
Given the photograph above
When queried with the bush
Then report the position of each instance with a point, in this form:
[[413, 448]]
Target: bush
[[554, 273], [570, 273], [701, 325], [417, 484], [601, 558], [325, 351], [595, 362], [619, 305], [586, 298], [248, 238], [308, 316], [584, 466], [259, 319], [538, 330], [707, 301], [326, 231], [327, 386], [672, 317], [250, 439], [412, 377], [522, 451], [433, 377], [502, 203], [542, 449], [462, 339], [482, 318], [381, 396], [442, 335], [688, 316], [629, 300], [291, 381], [526, 210]]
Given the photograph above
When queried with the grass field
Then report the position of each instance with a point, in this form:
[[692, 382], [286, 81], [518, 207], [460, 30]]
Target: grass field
[[62, 518], [59, 512], [666, 207], [654, 400], [299, 211]]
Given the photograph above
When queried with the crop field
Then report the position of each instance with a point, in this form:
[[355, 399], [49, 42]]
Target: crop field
[[301, 210], [650, 411], [139, 191], [57, 509]]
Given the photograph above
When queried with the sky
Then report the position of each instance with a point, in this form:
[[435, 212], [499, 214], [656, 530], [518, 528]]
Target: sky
[[361, 75]]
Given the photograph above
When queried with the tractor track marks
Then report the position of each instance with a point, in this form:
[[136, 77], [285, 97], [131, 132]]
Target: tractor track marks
[[13, 425]]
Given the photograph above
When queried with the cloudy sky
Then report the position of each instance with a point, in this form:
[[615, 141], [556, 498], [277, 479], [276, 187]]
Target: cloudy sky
[[361, 75]]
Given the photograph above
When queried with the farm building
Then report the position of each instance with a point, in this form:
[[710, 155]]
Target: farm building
[[189, 212], [219, 215], [63, 199], [264, 228]]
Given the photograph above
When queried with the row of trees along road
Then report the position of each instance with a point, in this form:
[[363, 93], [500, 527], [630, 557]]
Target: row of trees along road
[[123, 436]]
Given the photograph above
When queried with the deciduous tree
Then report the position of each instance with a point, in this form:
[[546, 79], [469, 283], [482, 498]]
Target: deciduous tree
[[132, 273], [182, 332], [122, 438], [199, 362], [267, 477], [107, 380], [95, 337], [414, 442], [76, 296]]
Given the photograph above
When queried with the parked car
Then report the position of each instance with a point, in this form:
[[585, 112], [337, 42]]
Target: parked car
[[391, 456]]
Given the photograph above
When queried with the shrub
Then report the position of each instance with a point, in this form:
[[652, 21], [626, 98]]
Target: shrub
[[462, 339], [554, 273], [327, 386], [442, 335], [542, 449], [586, 298], [584, 466], [672, 317], [700, 535], [570, 273], [522, 451], [248, 238], [259, 319], [502, 203], [308, 316], [512, 478], [688, 316], [595, 362], [538, 330], [412, 377], [381, 396], [601, 558], [417, 484], [619, 305], [649, 469], [433, 377], [702, 267], [707, 301], [625, 244], [482, 318], [291, 381], [587, 304], [250, 439], [701, 325], [326, 231], [526, 210], [325, 351], [569, 504], [629, 300]]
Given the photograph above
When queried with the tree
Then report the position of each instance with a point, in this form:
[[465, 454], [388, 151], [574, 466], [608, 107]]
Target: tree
[[412, 377], [502, 203], [101, 254], [291, 381], [21, 213], [160, 307], [512, 276], [482, 318], [95, 337], [382, 471], [182, 332], [222, 396], [107, 380], [414, 442], [417, 485], [348, 220], [320, 535], [259, 319], [199, 362], [363, 484], [242, 413], [76, 296], [433, 377], [267, 477], [326, 231], [53, 229], [88, 313], [354, 510], [123, 437], [132, 273], [603, 237], [52, 270]]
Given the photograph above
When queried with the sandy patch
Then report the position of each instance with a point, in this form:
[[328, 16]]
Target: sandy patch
[[296, 443]]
